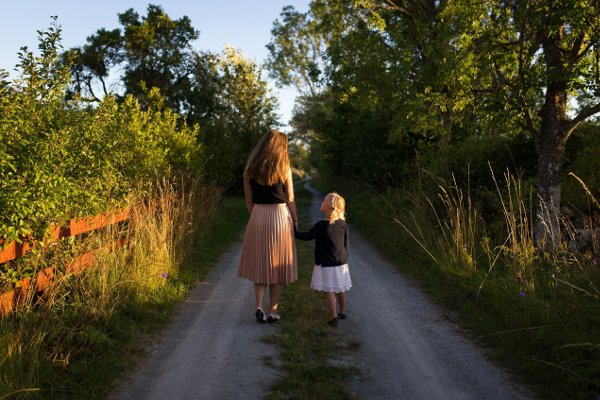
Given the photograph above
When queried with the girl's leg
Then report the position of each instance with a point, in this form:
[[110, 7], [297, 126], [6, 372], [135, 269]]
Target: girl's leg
[[330, 296], [259, 293], [341, 298], [274, 295]]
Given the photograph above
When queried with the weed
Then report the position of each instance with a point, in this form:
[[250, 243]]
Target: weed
[[81, 332]]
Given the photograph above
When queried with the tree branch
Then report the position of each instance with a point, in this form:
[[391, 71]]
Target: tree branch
[[575, 54], [584, 114], [584, 51], [529, 125], [89, 86], [396, 5]]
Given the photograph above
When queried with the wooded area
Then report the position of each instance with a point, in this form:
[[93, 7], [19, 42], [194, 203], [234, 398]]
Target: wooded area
[[466, 130], [385, 80]]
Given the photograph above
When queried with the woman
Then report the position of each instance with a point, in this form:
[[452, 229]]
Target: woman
[[268, 255]]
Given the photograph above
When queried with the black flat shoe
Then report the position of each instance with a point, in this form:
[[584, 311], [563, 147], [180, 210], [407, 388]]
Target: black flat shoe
[[333, 321], [260, 316], [342, 316], [273, 318]]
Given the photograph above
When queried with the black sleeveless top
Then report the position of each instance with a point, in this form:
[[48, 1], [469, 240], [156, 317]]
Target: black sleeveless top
[[262, 194]]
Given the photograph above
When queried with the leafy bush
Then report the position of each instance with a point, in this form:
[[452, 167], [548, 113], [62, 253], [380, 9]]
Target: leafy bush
[[60, 158]]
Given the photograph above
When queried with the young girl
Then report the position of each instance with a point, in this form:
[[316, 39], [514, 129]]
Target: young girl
[[331, 274]]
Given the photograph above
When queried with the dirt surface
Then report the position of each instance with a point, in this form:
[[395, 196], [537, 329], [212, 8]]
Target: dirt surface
[[409, 349], [213, 347]]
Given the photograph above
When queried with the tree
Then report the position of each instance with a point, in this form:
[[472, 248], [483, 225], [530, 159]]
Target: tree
[[91, 64], [152, 51], [371, 77], [235, 112], [516, 61], [297, 52], [542, 56]]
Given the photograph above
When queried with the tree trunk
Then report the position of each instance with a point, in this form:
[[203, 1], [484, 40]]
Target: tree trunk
[[550, 146]]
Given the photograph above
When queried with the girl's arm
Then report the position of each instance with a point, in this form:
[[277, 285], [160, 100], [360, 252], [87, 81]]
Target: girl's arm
[[346, 239], [291, 199], [248, 193], [310, 235]]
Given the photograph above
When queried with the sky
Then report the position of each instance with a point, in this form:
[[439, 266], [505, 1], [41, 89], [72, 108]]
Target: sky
[[245, 24]]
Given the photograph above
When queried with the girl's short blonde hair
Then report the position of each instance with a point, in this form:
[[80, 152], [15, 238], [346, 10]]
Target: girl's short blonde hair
[[338, 207]]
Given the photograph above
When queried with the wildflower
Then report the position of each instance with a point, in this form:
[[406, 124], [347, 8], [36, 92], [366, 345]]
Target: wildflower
[[521, 294], [164, 274]]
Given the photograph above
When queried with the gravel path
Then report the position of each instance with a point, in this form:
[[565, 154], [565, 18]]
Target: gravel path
[[212, 349], [409, 350]]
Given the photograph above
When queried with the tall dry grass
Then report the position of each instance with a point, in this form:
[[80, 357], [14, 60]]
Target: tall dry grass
[[540, 307], [65, 342]]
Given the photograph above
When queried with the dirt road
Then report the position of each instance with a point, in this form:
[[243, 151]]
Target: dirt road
[[212, 349], [409, 350]]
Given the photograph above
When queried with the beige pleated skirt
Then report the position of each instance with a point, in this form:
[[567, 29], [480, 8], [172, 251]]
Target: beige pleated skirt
[[269, 251]]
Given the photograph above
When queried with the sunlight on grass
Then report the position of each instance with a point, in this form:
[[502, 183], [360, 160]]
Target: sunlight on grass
[[86, 328]]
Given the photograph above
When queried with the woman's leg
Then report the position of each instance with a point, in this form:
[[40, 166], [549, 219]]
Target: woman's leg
[[330, 296], [341, 298], [259, 293], [274, 295]]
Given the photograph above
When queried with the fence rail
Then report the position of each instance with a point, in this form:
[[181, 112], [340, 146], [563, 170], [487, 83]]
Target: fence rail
[[44, 278]]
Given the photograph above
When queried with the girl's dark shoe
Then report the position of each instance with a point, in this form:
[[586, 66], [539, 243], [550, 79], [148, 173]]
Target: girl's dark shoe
[[342, 316], [273, 318], [260, 316], [333, 321]]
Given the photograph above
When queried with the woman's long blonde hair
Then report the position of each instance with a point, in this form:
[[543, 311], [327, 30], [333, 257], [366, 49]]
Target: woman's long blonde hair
[[338, 207], [269, 163]]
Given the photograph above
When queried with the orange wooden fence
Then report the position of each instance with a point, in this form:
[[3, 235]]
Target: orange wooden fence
[[13, 250]]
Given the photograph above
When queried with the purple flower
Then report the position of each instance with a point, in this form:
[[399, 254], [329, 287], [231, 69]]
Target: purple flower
[[521, 294], [164, 274]]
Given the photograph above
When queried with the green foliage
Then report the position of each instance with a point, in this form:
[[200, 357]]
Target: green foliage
[[583, 161], [537, 315], [62, 159], [152, 51], [241, 111], [223, 93], [297, 51], [78, 338]]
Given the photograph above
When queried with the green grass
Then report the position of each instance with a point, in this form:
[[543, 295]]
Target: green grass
[[228, 223], [89, 328], [307, 344]]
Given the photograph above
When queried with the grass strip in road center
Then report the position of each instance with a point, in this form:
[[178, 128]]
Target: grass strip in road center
[[311, 352]]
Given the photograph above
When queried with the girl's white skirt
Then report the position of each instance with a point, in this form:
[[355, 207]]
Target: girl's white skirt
[[331, 279]]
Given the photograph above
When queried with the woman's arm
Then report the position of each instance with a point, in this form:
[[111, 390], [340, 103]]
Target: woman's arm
[[291, 199], [248, 194]]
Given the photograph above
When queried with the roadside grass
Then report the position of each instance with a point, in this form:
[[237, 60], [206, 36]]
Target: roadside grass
[[307, 344], [76, 339], [537, 315]]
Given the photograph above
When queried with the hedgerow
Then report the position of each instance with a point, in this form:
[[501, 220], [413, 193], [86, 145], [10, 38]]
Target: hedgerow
[[62, 158]]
